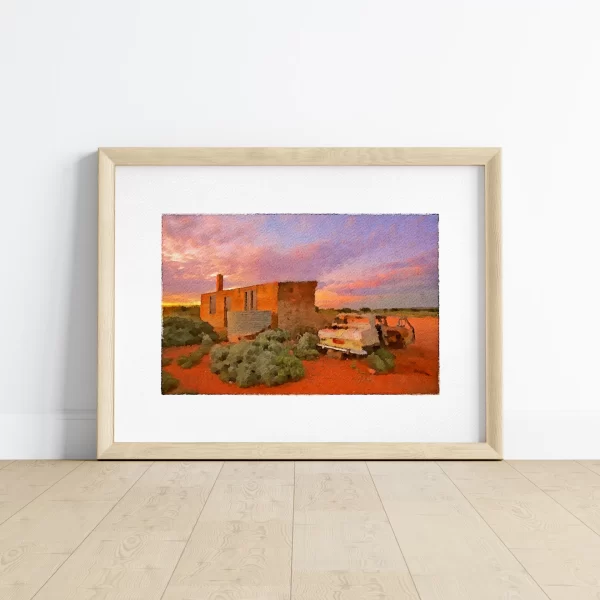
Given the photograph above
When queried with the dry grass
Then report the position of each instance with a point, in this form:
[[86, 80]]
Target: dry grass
[[330, 313]]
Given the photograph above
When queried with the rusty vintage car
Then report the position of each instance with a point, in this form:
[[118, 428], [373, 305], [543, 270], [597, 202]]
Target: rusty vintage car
[[362, 333]]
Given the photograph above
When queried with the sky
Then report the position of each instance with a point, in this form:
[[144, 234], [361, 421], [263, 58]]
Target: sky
[[379, 261]]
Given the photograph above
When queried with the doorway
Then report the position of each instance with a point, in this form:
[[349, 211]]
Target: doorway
[[226, 307]]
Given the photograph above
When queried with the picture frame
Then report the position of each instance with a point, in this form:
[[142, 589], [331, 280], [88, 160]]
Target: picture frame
[[111, 158]]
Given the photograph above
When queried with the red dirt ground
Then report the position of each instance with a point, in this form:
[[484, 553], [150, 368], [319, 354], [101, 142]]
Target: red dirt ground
[[416, 371]]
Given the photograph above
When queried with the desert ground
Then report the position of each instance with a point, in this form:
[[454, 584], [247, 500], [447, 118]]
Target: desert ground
[[416, 371]]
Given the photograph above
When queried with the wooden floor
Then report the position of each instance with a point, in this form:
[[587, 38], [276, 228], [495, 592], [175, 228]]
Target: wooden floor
[[73, 530]]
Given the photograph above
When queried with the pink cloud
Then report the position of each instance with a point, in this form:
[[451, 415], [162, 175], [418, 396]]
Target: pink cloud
[[413, 270], [195, 249], [349, 255]]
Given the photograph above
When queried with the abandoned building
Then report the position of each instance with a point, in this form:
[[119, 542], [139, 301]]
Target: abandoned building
[[291, 303]]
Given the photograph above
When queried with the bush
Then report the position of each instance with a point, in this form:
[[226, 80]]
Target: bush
[[271, 335], [167, 382], [228, 373], [382, 361], [207, 341], [388, 358], [376, 363], [275, 369], [219, 353], [243, 351], [306, 348], [297, 332], [246, 376], [187, 361], [181, 331], [275, 347], [290, 367], [265, 360], [183, 360], [265, 368], [165, 362]]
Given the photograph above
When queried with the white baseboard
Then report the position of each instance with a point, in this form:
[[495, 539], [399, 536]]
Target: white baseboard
[[64, 434], [552, 434], [528, 434]]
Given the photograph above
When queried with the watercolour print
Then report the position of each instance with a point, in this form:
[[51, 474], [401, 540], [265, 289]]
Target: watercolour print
[[300, 304]]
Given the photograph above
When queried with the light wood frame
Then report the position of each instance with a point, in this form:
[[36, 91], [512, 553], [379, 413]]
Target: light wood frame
[[110, 158]]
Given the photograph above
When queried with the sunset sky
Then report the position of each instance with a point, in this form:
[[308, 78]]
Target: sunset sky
[[379, 261]]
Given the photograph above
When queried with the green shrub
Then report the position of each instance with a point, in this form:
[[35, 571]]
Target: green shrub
[[181, 331], [207, 340], [219, 353], [275, 347], [184, 358], [165, 362], [240, 352], [218, 356], [290, 366], [271, 335], [269, 371], [246, 376], [167, 382], [199, 353], [275, 369], [382, 361], [298, 331], [265, 368], [187, 361], [388, 358], [306, 348], [228, 373], [376, 363], [266, 360]]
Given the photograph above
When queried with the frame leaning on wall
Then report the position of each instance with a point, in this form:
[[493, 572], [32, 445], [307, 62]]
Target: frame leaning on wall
[[110, 158]]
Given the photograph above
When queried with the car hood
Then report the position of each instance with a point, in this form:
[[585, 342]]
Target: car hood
[[343, 334]]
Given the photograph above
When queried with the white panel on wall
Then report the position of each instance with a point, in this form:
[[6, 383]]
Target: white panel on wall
[[78, 75]]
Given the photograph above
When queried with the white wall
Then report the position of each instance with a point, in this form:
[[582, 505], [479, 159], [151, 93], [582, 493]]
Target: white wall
[[518, 74]]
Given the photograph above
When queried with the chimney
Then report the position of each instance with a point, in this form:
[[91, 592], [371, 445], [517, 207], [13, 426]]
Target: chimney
[[219, 282]]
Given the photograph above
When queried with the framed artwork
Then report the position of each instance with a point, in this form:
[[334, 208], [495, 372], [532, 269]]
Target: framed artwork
[[303, 303]]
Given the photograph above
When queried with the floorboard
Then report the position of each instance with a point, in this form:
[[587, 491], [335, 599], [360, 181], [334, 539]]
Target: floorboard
[[133, 551], [242, 543], [571, 484], [23, 481], [592, 465], [560, 551], [344, 546], [450, 550], [309, 530], [40, 537]]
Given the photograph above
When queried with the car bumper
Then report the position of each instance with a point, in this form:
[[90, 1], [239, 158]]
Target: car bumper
[[344, 350]]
